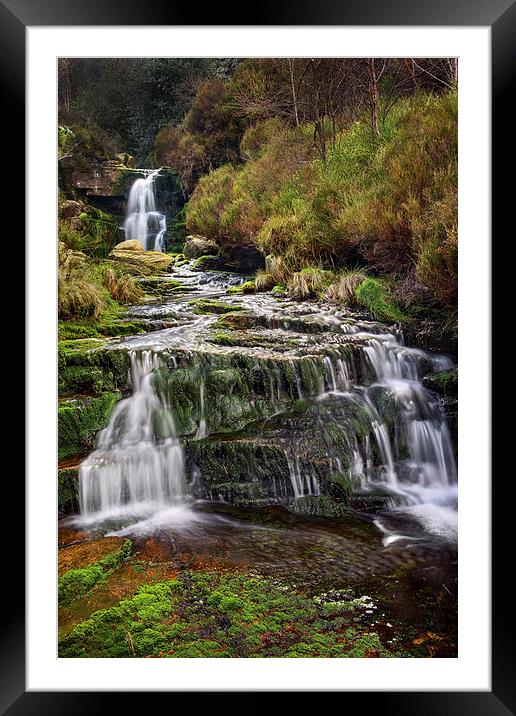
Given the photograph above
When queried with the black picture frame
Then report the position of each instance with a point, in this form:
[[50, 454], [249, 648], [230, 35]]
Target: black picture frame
[[500, 16]]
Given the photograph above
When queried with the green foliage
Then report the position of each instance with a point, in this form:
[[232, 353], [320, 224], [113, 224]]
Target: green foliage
[[279, 290], [373, 295]]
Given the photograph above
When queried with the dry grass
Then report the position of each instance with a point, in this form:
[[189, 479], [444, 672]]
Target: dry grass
[[343, 289], [122, 286], [276, 267], [264, 281], [78, 292], [308, 283]]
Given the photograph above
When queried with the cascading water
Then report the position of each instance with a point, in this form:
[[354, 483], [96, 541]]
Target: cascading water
[[138, 465], [417, 465], [143, 222], [372, 420]]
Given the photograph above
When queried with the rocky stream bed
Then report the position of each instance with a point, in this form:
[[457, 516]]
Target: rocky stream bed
[[251, 476]]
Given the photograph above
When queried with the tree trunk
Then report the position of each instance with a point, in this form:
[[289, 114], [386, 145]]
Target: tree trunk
[[294, 94], [373, 97]]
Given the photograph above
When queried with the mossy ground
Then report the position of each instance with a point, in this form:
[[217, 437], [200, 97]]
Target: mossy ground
[[224, 614], [74, 583]]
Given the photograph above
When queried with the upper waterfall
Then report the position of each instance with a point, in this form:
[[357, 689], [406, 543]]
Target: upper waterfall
[[143, 222]]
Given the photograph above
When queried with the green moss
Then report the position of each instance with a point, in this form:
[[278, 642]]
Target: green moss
[[67, 488], [279, 290], [245, 288], [204, 614], [446, 382], [107, 325], [77, 582], [79, 420], [342, 483], [221, 338], [373, 295]]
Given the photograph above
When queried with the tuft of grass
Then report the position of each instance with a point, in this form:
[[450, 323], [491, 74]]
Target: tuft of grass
[[276, 267], [79, 293], [308, 283], [343, 289], [373, 295], [122, 286], [264, 281]]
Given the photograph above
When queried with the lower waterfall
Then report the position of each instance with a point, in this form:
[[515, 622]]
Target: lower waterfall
[[138, 463]]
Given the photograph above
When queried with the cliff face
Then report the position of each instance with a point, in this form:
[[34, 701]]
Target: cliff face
[[105, 183]]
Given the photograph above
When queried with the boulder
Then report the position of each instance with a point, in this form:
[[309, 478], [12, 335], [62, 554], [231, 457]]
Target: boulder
[[129, 245], [196, 246], [142, 262]]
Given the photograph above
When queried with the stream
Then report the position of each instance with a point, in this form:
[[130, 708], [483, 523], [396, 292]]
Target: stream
[[290, 439]]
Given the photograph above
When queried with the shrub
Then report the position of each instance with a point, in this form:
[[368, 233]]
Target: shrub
[[389, 202], [203, 211]]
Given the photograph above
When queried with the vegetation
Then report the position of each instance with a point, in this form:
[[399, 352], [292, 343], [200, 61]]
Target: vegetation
[[77, 582], [385, 203], [210, 614]]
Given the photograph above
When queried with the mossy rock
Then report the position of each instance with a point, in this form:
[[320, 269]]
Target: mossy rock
[[205, 306], [248, 287], [237, 320], [446, 382], [143, 262], [67, 490], [79, 420]]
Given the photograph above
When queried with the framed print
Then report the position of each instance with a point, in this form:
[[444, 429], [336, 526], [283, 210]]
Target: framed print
[[258, 417]]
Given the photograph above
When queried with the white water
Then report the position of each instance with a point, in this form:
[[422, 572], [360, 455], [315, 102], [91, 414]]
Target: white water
[[418, 468], [138, 465], [143, 222]]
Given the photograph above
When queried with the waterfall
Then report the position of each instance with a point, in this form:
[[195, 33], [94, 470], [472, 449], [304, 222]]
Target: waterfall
[[202, 430], [143, 222], [138, 461]]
